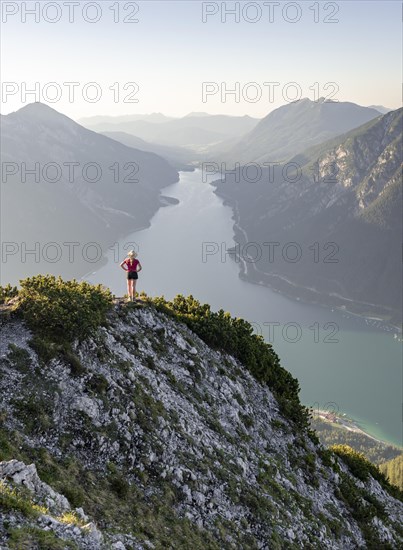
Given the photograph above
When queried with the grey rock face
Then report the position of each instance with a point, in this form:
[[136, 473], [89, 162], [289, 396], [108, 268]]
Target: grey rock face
[[171, 414]]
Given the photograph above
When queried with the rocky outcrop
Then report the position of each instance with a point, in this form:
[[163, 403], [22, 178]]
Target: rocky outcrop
[[27, 476], [50, 506], [155, 440]]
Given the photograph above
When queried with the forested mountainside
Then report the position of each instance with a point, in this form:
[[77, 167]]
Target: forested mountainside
[[393, 470]]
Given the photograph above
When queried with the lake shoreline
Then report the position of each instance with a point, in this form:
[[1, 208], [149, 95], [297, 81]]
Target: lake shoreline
[[307, 295], [346, 423]]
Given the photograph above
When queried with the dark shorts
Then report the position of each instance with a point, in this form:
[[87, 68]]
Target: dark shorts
[[132, 275]]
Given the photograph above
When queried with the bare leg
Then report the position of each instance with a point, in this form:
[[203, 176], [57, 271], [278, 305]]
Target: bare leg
[[128, 288], [131, 289], [134, 288]]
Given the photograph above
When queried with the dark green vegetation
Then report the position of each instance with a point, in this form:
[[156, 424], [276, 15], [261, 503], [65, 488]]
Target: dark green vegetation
[[63, 309], [363, 506], [236, 337]]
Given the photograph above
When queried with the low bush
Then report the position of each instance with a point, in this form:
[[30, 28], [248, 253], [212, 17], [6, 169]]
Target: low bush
[[63, 309], [359, 466], [7, 292]]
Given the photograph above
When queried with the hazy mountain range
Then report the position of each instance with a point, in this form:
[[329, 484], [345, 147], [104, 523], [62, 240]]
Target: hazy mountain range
[[199, 136], [180, 157], [349, 193], [92, 121], [381, 109], [194, 131], [95, 201]]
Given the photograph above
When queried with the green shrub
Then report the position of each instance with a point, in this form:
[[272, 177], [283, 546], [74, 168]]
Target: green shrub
[[7, 292], [119, 485], [63, 309], [98, 384], [327, 457], [236, 337]]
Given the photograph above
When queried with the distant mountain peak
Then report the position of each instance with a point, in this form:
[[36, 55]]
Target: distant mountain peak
[[43, 113], [383, 110], [196, 114], [37, 108]]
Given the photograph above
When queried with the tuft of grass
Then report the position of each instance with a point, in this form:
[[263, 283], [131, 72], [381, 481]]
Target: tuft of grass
[[19, 358], [15, 500], [71, 518]]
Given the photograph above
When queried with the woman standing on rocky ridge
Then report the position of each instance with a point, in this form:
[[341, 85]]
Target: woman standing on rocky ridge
[[132, 266]]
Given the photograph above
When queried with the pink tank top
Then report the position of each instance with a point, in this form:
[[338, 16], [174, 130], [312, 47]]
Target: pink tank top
[[131, 264]]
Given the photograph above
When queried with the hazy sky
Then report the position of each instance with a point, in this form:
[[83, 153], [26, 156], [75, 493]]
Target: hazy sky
[[170, 52]]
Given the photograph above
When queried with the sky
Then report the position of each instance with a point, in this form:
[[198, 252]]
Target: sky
[[184, 56]]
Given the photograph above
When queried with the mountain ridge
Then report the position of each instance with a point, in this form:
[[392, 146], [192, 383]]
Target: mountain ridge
[[192, 131], [175, 443]]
